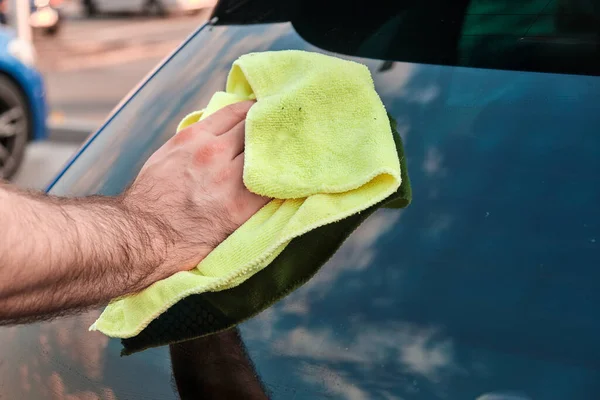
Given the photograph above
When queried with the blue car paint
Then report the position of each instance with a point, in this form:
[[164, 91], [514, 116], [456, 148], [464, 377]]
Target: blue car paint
[[30, 81]]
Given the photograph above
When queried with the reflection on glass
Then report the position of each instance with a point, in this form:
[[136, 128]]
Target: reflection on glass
[[215, 367]]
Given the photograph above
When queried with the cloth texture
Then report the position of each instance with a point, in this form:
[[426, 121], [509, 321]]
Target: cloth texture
[[203, 314], [319, 142]]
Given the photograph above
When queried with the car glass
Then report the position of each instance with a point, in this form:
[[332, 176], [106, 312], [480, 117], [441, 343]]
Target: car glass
[[485, 288]]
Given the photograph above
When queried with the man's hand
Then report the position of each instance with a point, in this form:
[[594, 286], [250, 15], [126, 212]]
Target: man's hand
[[61, 254], [192, 187]]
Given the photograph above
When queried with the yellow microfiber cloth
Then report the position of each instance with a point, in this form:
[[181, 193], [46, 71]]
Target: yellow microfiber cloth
[[318, 141]]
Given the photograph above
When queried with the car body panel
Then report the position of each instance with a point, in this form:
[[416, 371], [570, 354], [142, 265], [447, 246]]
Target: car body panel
[[485, 288], [30, 81]]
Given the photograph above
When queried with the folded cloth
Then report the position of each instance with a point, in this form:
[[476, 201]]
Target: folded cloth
[[202, 314], [319, 142]]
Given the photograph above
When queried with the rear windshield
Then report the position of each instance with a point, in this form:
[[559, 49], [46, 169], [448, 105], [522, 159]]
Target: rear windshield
[[487, 287]]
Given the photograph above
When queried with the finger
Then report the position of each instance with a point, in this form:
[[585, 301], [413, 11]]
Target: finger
[[249, 202], [234, 139], [238, 165], [226, 118], [184, 136]]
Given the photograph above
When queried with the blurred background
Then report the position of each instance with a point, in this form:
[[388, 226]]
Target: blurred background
[[88, 54]]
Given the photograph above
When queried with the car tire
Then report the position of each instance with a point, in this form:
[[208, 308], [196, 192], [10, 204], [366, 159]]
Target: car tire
[[15, 127]]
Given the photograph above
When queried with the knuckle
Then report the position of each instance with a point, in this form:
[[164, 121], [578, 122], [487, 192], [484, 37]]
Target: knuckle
[[183, 137], [206, 152], [189, 134]]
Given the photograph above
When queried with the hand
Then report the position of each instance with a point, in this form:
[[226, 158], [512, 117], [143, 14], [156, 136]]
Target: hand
[[191, 191], [187, 199]]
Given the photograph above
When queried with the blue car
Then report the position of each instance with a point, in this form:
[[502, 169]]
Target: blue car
[[486, 288], [23, 106]]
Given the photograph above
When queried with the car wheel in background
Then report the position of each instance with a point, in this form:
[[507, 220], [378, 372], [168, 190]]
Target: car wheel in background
[[14, 127]]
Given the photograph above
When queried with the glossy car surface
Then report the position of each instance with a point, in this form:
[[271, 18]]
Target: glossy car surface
[[486, 287]]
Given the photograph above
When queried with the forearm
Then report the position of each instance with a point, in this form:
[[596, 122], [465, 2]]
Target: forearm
[[61, 254]]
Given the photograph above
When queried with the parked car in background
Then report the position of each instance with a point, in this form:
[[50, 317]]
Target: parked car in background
[[150, 7], [23, 106], [485, 288]]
